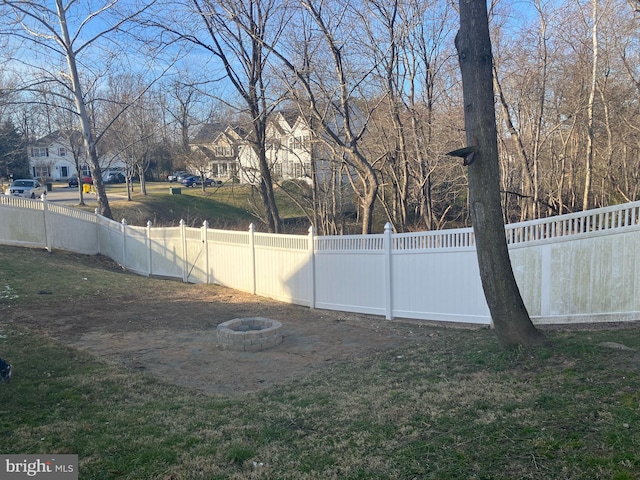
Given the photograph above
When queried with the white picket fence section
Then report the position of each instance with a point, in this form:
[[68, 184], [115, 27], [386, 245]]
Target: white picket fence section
[[582, 267]]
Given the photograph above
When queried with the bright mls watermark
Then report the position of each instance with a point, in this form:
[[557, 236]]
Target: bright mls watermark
[[50, 467]]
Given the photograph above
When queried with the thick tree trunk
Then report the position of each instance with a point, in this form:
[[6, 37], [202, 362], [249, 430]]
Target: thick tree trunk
[[368, 201], [510, 317], [266, 182]]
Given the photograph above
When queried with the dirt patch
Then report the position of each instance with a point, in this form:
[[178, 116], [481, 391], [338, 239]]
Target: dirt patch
[[174, 337]]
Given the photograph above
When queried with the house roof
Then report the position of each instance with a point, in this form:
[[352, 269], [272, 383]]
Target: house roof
[[209, 133], [206, 152], [290, 116], [59, 135]]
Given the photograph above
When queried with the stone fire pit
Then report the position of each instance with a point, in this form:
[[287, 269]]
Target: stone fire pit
[[249, 334]]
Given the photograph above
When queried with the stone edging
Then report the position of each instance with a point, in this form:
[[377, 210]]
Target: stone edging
[[249, 334]]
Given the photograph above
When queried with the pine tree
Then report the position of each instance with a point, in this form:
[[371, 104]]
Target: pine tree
[[13, 155]]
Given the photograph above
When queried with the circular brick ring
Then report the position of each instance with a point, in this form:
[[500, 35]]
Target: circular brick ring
[[249, 334]]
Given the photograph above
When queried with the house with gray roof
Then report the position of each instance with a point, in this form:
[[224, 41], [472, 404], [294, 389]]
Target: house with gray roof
[[230, 155]]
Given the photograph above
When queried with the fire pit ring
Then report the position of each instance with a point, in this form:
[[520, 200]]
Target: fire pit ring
[[249, 334]]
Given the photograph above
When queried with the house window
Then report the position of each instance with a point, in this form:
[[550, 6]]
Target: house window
[[223, 151], [298, 143], [41, 171], [39, 152], [62, 152], [277, 170]]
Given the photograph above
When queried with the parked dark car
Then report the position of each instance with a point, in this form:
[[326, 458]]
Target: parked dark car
[[189, 181], [209, 182], [73, 181], [194, 181], [115, 177], [86, 179]]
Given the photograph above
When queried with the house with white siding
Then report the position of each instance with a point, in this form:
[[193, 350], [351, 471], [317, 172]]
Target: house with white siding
[[61, 154], [289, 150], [218, 144]]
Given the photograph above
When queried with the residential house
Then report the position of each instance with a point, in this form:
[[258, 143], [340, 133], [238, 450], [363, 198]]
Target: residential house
[[55, 156], [51, 157], [218, 145], [230, 154], [289, 147]]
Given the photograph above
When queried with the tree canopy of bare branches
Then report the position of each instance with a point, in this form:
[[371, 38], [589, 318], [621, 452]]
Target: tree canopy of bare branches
[[376, 82]]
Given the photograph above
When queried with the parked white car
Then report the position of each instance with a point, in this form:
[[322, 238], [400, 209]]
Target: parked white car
[[26, 188]]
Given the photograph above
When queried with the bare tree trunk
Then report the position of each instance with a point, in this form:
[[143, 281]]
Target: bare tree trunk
[[397, 154], [608, 176], [87, 134], [528, 210], [592, 93], [510, 317], [143, 181], [236, 33], [335, 113], [544, 59]]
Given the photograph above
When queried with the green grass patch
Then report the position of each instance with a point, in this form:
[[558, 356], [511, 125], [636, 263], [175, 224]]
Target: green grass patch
[[230, 206], [456, 406], [35, 276]]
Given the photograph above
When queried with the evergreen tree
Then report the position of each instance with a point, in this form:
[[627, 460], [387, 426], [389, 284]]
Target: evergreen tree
[[13, 156]]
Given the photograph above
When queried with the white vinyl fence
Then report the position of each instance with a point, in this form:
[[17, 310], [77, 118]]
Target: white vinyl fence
[[582, 267]]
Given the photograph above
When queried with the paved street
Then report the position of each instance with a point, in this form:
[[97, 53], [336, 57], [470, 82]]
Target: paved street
[[65, 195], [68, 195]]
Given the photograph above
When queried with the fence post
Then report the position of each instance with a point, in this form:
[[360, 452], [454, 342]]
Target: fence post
[[312, 267], [47, 244], [388, 282], [149, 247], [253, 258], [185, 264], [124, 243], [205, 242]]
